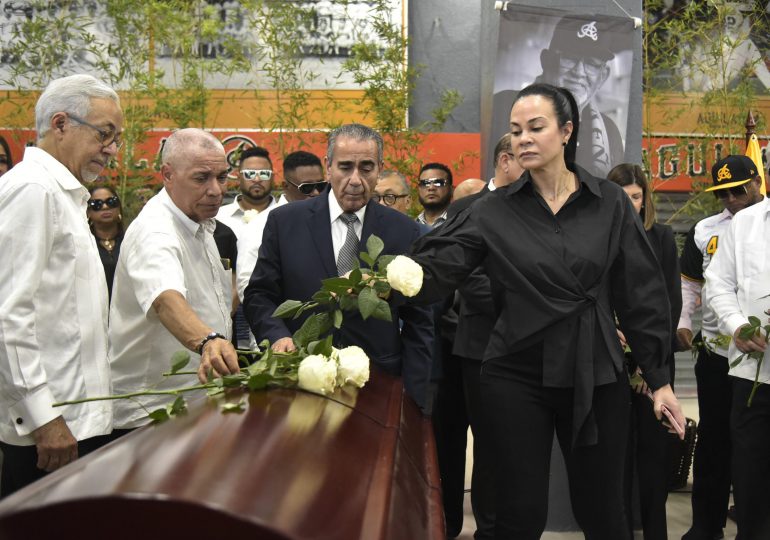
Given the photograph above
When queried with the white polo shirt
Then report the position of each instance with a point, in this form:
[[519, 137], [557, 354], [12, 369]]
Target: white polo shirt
[[738, 281], [162, 250], [53, 304]]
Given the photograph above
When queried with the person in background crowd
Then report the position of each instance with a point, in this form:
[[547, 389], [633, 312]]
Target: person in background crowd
[[255, 173], [53, 295], [171, 289], [303, 178], [434, 190], [565, 253], [307, 241], [737, 287], [736, 185], [392, 190], [469, 186], [6, 160], [105, 217], [476, 317], [647, 451]]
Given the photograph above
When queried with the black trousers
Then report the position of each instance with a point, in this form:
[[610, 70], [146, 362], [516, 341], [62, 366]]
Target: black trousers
[[647, 459], [751, 459], [450, 427], [20, 463], [711, 466], [523, 417], [483, 476]]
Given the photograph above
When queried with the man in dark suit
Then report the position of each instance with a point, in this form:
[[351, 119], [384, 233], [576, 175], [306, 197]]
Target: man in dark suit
[[476, 317], [312, 240]]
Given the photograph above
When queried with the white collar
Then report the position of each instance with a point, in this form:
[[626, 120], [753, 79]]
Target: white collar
[[189, 224], [335, 210]]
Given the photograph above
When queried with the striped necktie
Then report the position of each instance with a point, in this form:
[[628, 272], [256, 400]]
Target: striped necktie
[[349, 250]]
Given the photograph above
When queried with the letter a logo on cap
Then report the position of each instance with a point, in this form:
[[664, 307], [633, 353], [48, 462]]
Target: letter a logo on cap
[[724, 173], [588, 30]]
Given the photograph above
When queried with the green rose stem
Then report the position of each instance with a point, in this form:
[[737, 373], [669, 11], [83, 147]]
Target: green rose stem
[[174, 392]]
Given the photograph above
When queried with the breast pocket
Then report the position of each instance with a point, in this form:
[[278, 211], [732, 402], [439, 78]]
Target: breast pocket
[[752, 259]]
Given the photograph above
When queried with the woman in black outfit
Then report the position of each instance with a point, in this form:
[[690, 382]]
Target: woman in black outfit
[[647, 454], [106, 220], [565, 252]]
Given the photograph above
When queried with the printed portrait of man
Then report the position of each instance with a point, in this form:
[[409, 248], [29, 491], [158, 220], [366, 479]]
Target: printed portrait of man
[[590, 56]]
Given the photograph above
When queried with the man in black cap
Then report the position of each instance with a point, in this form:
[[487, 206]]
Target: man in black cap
[[737, 186], [577, 59], [738, 289]]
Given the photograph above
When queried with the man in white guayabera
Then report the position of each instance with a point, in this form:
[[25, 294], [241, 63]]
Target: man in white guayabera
[[53, 295], [171, 289]]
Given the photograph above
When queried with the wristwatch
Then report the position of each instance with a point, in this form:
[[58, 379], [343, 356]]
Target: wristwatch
[[212, 335]]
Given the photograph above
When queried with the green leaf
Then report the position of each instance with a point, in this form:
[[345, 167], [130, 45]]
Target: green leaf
[[747, 331], [322, 297], [754, 321], [337, 318], [737, 361], [287, 309], [159, 415], [178, 406], [367, 302], [367, 259], [374, 245], [382, 287], [232, 407], [348, 303], [258, 381], [231, 381], [325, 346], [312, 329], [382, 311], [179, 360], [335, 282], [355, 275], [384, 261]]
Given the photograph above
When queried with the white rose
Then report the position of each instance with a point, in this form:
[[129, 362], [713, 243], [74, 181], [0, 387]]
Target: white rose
[[248, 215], [405, 275], [317, 374], [353, 366]]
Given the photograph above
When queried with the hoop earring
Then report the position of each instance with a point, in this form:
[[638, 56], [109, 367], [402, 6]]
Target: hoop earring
[[564, 144]]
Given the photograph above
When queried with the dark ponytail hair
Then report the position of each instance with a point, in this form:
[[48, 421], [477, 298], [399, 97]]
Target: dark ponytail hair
[[566, 109]]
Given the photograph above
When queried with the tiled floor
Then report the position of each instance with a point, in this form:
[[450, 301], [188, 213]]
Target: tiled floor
[[678, 506]]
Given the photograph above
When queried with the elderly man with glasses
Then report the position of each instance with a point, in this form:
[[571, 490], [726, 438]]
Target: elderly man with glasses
[[737, 186], [392, 190], [53, 294]]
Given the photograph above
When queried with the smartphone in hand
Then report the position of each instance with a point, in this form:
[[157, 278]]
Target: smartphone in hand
[[669, 418]]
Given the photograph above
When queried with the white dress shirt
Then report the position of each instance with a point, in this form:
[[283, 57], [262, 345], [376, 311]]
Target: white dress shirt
[[232, 215], [738, 281], [53, 304], [339, 227], [249, 243], [163, 250]]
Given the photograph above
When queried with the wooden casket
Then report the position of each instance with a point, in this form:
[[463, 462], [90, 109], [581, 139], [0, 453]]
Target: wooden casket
[[293, 465]]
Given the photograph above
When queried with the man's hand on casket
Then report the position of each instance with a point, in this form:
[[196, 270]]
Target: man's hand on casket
[[284, 345], [55, 445], [218, 358]]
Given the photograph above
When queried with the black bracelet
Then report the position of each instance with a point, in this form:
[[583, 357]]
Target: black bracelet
[[212, 335]]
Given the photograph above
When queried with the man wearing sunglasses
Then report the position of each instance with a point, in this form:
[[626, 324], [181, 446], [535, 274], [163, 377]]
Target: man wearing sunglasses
[[303, 178], [53, 293], [308, 241], [434, 190], [737, 186], [255, 175]]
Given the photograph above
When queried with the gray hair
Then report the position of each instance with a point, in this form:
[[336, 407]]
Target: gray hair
[[401, 177], [358, 132], [185, 140], [72, 95]]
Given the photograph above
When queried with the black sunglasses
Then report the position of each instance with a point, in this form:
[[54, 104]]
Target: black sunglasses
[[438, 182], [306, 188], [736, 191], [111, 202]]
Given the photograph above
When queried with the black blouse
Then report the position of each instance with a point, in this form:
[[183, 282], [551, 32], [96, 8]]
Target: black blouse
[[110, 261], [558, 281]]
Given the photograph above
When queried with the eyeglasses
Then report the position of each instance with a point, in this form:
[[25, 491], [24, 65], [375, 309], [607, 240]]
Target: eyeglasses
[[306, 188], [111, 202], [591, 66], [106, 136], [438, 182], [252, 174], [389, 198], [735, 191]]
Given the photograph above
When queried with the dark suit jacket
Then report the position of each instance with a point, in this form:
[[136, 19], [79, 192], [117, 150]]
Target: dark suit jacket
[[297, 253], [477, 313]]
